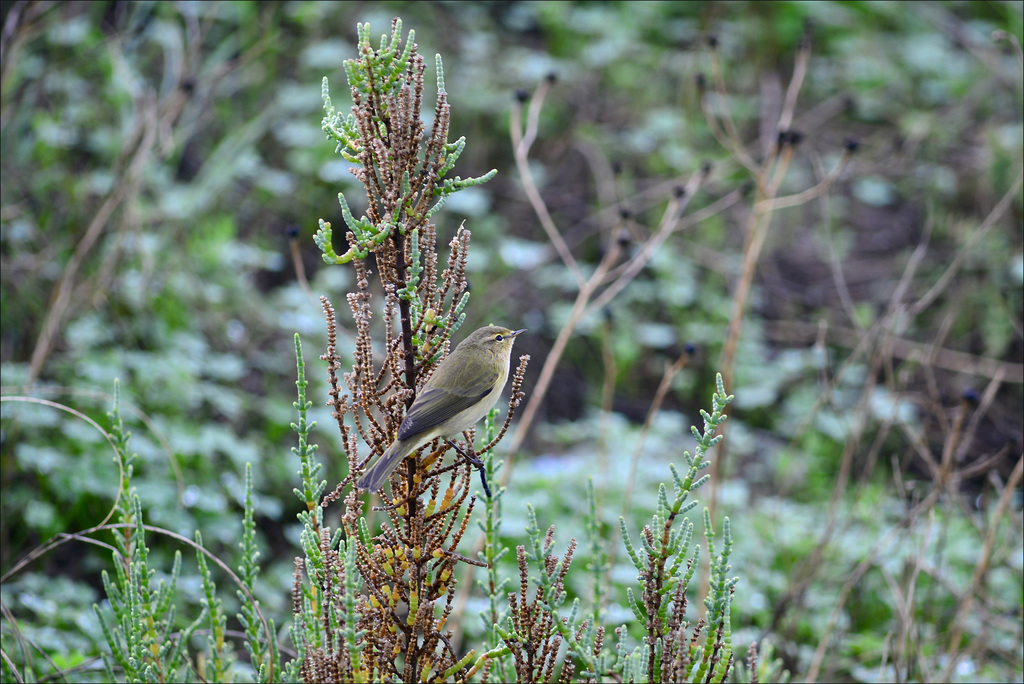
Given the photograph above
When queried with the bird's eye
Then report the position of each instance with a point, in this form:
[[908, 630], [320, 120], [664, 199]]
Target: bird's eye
[[498, 338]]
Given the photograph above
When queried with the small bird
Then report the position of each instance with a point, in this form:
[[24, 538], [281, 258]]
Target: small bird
[[461, 391]]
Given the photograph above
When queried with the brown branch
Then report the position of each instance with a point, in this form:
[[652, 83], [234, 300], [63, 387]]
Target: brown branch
[[521, 147]]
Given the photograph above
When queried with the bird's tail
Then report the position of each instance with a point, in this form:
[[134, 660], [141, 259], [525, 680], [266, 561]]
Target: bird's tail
[[374, 477]]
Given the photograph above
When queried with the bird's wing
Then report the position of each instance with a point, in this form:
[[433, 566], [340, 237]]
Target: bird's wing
[[435, 405]]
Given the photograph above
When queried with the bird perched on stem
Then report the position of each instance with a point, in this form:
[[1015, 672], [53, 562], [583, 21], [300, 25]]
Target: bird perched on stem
[[461, 391]]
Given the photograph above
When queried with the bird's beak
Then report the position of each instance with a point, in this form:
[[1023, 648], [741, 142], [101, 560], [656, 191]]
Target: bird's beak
[[518, 332]]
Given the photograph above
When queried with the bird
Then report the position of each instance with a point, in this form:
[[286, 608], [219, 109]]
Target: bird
[[465, 386]]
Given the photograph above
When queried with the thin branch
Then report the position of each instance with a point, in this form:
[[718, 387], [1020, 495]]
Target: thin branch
[[795, 200], [551, 362], [966, 250], [799, 332], [953, 653], [145, 133], [735, 145], [521, 147], [669, 224]]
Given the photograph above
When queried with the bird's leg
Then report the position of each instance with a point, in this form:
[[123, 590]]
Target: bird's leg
[[476, 462], [472, 459]]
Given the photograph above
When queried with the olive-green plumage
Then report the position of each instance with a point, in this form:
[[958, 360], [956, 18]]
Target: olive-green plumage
[[461, 391]]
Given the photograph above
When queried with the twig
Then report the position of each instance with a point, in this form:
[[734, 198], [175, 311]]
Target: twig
[[551, 362], [980, 569], [671, 370], [854, 577], [521, 143], [145, 133], [735, 145], [795, 200], [965, 251], [669, 224]]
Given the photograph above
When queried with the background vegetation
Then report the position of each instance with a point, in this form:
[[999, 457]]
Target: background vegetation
[[163, 170]]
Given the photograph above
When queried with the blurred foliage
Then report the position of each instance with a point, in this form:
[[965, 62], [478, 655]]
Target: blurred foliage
[[157, 159]]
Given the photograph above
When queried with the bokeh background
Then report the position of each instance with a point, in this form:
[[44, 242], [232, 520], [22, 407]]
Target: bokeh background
[[163, 171]]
